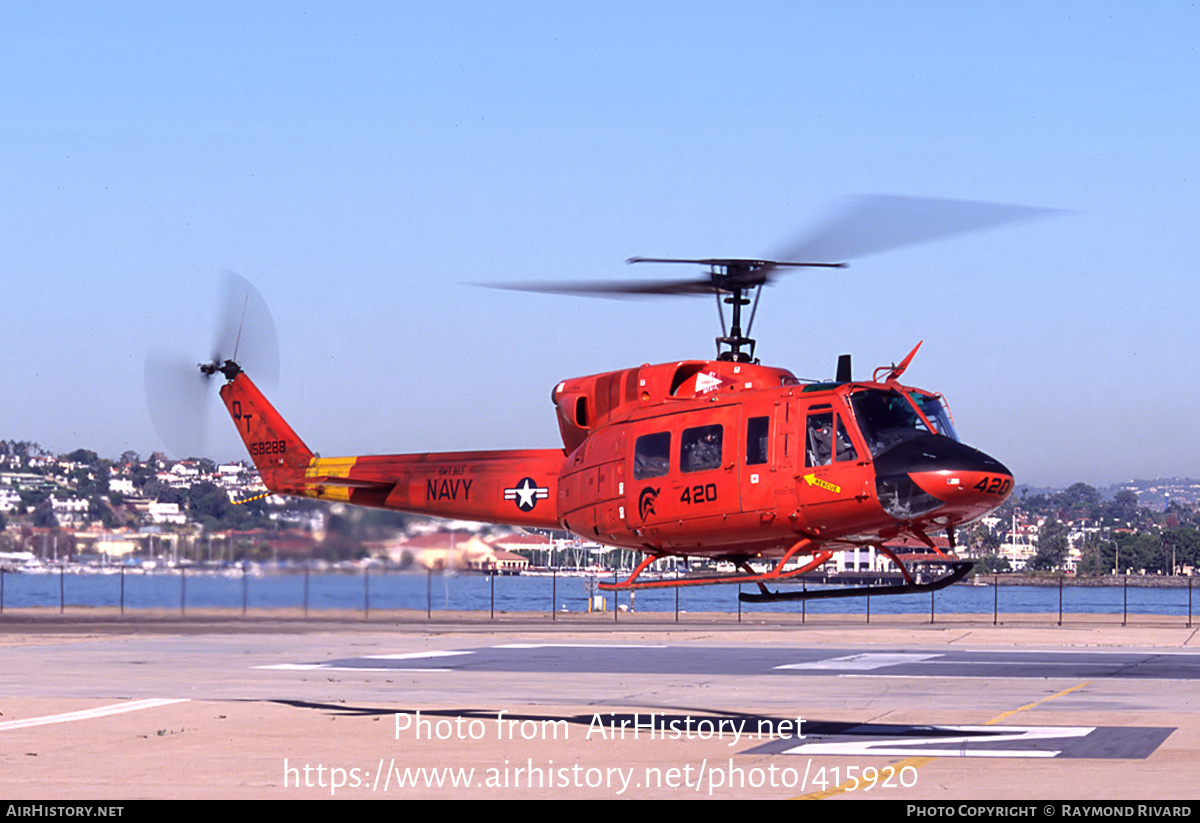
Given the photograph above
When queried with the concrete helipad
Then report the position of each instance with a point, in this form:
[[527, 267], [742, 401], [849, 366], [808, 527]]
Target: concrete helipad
[[274, 707]]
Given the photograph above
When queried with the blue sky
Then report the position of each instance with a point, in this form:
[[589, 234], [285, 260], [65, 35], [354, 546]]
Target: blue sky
[[363, 163]]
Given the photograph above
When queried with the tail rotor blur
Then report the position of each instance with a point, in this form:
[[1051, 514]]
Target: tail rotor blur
[[179, 388]]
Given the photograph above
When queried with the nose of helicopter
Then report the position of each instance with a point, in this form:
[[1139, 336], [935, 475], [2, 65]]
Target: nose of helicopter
[[936, 475]]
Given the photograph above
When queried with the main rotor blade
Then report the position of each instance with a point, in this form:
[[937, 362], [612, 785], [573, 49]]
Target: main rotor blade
[[755, 274], [863, 226], [875, 223], [615, 288]]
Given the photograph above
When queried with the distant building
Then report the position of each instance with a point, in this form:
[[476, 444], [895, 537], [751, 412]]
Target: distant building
[[165, 513], [444, 550], [122, 485], [69, 510]]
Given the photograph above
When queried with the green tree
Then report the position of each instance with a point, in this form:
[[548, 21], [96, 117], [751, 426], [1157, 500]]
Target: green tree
[[1096, 555], [1051, 546], [44, 517], [84, 457], [1080, 500], [991, 564], [206, 500], [1141, 551], [1124, 506]]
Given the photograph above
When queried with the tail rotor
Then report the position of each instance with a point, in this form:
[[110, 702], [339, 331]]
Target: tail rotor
[[178, 389]]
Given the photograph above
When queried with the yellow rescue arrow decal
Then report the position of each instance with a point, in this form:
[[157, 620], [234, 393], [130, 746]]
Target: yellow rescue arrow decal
[[813, 480]]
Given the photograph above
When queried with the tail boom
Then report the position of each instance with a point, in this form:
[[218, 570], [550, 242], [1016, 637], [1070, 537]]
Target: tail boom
[[517, 487]]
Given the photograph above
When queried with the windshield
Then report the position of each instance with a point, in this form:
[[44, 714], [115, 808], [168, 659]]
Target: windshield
[[935, 411], [886, 418]]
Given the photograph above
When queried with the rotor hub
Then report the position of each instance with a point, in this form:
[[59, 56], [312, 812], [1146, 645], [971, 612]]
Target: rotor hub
[[229, 369]]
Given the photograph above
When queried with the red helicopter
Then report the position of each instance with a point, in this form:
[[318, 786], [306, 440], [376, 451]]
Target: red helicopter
[[725, 459]]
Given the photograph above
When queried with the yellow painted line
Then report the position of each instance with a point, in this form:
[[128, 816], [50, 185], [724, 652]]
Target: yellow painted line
[[917, 762], [1035, 704]]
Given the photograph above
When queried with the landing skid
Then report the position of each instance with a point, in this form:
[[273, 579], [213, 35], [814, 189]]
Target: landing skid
[[958, 570], [749, 576]]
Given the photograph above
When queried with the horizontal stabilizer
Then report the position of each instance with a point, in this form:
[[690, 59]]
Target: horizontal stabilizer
[[348, 482]]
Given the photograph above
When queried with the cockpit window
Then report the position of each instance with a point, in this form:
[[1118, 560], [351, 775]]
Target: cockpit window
[[758, 430], [652, 455], [826, 441], [886, 418], [819, 440], [935, 411], [700, 448]]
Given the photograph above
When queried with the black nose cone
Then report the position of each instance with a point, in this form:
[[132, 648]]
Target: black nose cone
[[931, 453], [903, 498]]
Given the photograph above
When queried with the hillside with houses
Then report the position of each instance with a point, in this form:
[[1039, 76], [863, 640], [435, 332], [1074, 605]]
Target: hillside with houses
[[82, 508]]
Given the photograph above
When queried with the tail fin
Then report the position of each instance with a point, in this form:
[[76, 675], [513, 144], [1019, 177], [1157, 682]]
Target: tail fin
[[279, 454]]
